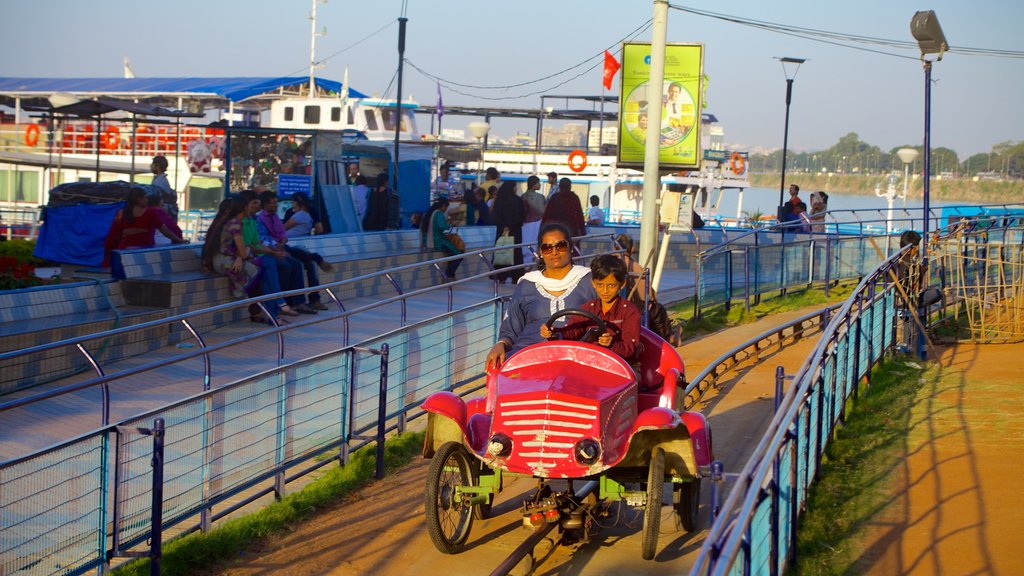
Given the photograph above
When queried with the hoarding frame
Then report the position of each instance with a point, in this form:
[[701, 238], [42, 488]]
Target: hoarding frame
[[681, 131]]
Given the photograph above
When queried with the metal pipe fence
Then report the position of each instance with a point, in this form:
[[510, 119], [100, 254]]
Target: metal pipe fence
[[68, 509], [755, 529], [777, 258]]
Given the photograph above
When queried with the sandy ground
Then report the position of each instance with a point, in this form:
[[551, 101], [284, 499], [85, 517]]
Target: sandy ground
[[960, 510]]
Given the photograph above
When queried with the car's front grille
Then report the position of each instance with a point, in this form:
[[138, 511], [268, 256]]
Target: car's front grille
[[545, 430]]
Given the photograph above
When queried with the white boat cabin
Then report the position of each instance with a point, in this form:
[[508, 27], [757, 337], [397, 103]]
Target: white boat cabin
[[373, 117]]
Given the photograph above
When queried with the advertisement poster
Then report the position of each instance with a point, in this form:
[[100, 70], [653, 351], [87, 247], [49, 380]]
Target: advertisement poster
[[681, 105]]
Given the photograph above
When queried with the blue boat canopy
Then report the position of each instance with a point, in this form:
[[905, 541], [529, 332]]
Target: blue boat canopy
[[232, 89]]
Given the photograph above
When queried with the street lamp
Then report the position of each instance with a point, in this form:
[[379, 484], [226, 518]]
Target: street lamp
[[924, 27], [907, 155], [795, 63], [479, 130]]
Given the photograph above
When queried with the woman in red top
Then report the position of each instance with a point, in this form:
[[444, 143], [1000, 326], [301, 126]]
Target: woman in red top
[[134, 225]]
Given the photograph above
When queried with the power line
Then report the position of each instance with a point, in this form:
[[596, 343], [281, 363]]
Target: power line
[[838, 38], [636, 31]]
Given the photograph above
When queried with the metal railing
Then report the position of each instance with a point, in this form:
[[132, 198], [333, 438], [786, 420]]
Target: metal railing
[[754, 531], [21, 223], [842, 247], [59, 504]]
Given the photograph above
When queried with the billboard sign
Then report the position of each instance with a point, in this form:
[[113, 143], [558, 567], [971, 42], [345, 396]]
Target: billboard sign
[[681, 105]]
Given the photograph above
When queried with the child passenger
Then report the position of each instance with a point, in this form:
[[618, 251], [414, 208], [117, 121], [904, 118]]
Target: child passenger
[[621, 317]]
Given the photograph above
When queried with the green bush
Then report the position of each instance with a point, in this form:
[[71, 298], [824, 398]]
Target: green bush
[[21, 251]]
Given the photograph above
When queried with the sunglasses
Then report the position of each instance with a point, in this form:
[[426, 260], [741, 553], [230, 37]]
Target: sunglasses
[[560, 246]]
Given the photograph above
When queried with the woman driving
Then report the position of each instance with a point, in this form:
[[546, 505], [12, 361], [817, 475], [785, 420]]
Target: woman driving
[[541, 293]]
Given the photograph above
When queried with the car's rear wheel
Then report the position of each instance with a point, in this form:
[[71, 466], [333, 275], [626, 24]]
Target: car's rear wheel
[[652, 510], [448, 518]]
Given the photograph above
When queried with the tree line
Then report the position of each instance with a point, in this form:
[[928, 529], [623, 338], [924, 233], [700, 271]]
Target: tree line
[[850, 155]]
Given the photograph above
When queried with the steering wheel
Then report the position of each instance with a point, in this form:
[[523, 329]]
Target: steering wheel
[[592, 333]]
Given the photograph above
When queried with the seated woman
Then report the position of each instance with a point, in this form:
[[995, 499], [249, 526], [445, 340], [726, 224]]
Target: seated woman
[[135, 225], [225, 252], [541, 293], [433, 233]]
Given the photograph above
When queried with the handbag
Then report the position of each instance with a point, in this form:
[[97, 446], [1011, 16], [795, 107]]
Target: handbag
[[504, 257], [455, 240]]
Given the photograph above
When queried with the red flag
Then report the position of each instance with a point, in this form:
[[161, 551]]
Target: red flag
[[611, 66]]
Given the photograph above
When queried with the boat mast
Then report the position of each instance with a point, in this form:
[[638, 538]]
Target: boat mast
[[312, 49]]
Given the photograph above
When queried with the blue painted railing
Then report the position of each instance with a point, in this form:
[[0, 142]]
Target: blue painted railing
[[58, 506]]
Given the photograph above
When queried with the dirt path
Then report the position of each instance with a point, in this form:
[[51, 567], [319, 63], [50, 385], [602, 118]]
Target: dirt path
[[380, 530], [960, 509], [958, 514]]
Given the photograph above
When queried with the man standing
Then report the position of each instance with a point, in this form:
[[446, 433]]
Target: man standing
[[533, 211], [170, 199], [552, 183], [353, 174], [446, 184], [794, 194], [564, 206]]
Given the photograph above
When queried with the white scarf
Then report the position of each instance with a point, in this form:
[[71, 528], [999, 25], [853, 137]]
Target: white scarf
[[565, 285]]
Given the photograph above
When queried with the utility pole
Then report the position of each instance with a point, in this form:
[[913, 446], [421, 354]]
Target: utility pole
[[398, 97], [652, 145]]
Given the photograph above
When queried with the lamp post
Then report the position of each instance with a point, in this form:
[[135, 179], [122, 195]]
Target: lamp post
[[479, 130], [789, 98], [924, 27], [907, 155]]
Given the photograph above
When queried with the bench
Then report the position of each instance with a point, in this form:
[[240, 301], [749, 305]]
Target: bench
[[34, 316]]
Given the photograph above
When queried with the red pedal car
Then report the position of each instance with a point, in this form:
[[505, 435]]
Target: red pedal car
[[567, 410]]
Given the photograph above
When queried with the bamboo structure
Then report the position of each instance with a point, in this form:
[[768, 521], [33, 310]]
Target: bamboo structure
[[982, 274]]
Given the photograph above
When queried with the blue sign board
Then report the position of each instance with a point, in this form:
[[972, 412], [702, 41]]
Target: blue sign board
[[288, 184]]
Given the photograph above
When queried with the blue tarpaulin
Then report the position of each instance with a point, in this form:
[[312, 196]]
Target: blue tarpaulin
[[234, 89], [75, 234]]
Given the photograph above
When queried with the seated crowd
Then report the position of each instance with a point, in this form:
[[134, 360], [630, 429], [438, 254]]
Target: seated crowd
[[248, 242]]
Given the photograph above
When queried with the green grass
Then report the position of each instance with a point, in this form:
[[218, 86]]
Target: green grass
[[857, 471], [200, 552], [716, 318]]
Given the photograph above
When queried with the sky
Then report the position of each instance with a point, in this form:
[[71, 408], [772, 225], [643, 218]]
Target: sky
[[975, 99]]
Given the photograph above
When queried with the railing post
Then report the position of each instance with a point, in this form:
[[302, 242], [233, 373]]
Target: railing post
[[794, 474], [828, 265], [782, 266], [696, 292], [157, 512], [382, 409], [281, 435], [728, 280], [746, 277], [810, 263], [780, 379], [757, 268]]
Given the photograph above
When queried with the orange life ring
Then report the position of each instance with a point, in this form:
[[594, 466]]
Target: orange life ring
[[32, 135], [577, 161], [111, 138], [737, 163]]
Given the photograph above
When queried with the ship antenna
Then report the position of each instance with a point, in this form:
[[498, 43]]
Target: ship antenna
[[313, 64]]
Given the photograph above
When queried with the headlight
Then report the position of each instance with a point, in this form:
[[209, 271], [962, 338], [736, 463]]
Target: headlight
[[587, 451], [499, 446]]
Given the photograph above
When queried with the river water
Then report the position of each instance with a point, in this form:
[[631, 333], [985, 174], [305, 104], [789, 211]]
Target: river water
[[765, 201]]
